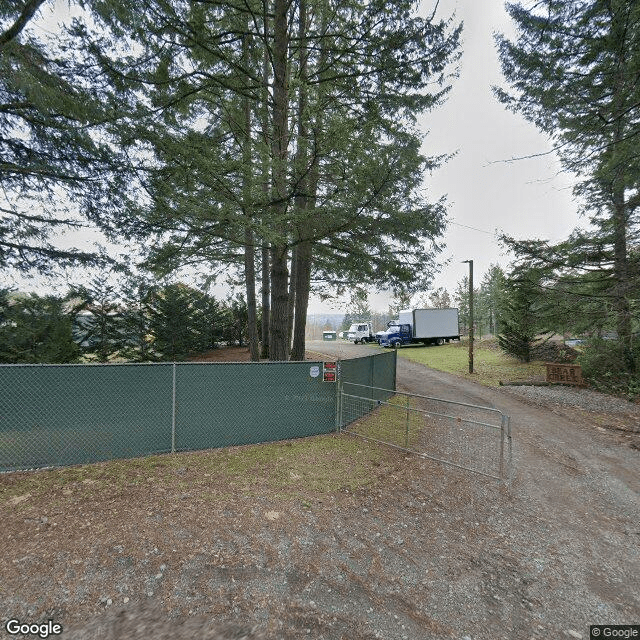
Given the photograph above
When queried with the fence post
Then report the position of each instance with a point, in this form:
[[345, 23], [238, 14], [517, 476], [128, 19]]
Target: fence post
[[173, 411], [339, 397], [406, 437], [506, 465], [502, 437]]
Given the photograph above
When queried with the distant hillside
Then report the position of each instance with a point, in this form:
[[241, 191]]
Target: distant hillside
[[334, 320]]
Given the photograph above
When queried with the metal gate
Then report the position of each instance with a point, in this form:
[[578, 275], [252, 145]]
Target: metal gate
[[466, 436]]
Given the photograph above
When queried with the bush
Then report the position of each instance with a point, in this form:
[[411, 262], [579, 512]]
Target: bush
[[35, 329], [612, 367], [554, 352]]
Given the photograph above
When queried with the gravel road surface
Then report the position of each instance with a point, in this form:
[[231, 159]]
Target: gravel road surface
[[427, 552]]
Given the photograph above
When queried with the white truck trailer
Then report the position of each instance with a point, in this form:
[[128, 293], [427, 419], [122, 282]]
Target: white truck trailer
[[428, 326]]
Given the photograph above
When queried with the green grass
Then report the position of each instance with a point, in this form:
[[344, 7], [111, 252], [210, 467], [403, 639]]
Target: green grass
[[390, 422], [294, 469], [490, 364]]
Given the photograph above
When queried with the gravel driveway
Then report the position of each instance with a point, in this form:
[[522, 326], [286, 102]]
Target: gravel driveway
[[424, 552]]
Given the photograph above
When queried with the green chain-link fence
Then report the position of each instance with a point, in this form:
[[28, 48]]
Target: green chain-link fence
[[54, 415], [369, 377]]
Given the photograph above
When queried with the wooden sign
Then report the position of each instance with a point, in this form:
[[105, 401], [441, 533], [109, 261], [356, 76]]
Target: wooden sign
[[564, 373]]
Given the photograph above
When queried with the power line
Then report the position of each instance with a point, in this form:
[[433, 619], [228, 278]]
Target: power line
[[466, 226]]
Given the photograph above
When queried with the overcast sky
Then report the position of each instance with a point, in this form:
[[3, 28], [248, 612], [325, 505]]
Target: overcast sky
[[525, 199]]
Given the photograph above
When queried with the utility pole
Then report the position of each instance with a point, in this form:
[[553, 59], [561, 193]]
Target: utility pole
[[470, 314]]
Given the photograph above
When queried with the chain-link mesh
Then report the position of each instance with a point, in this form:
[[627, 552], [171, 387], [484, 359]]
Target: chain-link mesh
[[53, 415], [72, 414], [390, 421], [374, 375], [466, 436], [243, 403]]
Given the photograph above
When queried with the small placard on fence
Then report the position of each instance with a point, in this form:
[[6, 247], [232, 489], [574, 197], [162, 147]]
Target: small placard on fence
[[564, 373], [329, 370]]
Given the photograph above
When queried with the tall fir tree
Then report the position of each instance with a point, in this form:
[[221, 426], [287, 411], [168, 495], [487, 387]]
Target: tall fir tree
[[36, 329], [521, 324], [57, 167], [573, 68], [344, 84]]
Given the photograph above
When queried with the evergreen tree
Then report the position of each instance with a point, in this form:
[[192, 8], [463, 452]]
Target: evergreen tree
[[183, 322], [490, 296], [401, 300], [235, 321], [343, 200], [520, 321], [99, 318], [574, 69], [35, 329], [56, 164], [172, 323], [359, 309], [440, 298], [461, 300], [212, 319], [137, 293]]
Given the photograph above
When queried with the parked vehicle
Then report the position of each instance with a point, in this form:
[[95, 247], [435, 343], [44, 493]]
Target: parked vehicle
[[426, 326], [380, 334], [361, 332]]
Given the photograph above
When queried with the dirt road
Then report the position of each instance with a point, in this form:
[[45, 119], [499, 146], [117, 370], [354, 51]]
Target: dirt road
[[562, 545], [426, 552]]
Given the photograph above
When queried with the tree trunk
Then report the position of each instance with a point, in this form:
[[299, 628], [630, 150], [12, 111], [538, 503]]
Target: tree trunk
[[619, 184], [621, 271], [308, 186], [266, 249], [250, 281], [303, 280], [249, 245], [266, 292], [279, 320], [278, 345], [292, 294]]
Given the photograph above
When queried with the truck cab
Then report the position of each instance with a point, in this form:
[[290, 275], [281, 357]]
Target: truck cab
[[360, 332], [396, 335]]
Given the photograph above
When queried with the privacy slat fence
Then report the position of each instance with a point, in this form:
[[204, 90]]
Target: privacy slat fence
[[56, 415]]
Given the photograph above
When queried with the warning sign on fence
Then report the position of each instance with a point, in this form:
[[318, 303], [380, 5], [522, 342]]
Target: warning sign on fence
[[329, 371]]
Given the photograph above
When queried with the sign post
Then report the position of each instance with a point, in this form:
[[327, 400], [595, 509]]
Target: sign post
[[470, 314]]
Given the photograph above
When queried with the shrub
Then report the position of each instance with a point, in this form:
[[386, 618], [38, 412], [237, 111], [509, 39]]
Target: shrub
[[612, 367], [554, 352]]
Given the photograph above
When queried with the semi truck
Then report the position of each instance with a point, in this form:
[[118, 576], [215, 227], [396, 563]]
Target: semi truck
[[426, 326], [360, 332]]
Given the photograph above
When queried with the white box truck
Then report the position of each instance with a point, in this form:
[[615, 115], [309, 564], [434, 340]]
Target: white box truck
[[428, 326]]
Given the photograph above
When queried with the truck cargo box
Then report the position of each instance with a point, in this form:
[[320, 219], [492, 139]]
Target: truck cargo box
[[432, 323]]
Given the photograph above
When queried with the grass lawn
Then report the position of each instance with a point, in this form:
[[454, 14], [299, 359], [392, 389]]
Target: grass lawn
[[288, 469], [490, 364]]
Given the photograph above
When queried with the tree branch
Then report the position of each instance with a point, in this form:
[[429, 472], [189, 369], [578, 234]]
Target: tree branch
[[27, 13]]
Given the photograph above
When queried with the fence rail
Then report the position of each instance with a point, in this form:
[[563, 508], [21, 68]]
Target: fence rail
[[466, 436]]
